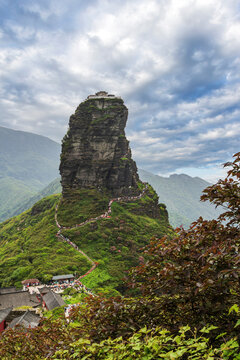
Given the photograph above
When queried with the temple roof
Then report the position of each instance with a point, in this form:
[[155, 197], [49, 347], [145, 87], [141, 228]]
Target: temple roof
[[27, 320]]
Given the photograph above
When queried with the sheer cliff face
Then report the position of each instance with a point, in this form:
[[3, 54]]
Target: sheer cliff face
[[95, 151]]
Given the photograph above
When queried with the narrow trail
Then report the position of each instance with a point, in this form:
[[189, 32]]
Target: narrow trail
[[102, 216]]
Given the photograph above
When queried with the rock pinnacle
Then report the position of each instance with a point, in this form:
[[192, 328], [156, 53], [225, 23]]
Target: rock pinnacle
[[95, 151]]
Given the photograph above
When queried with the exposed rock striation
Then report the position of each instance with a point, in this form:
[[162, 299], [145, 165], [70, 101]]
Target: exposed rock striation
[[95, 151]]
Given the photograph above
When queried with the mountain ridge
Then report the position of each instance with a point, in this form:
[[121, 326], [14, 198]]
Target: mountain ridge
[[28, 162], [182, 198], [20, 150]]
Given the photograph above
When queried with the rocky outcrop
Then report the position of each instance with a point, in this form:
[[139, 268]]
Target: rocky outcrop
[[95, 151]]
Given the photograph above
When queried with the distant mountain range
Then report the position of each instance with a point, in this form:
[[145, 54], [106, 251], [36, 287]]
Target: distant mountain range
[[181, 194], [29, 170], [28, 162], [53, 188]]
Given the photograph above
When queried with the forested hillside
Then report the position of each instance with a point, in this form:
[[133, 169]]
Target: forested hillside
[[30, 248]]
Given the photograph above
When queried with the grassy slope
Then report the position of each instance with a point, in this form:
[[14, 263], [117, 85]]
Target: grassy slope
[[29, 248], [116, 242]]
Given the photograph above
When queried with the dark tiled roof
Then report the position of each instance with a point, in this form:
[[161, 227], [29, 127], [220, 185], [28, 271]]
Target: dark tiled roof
[[63, 277], [27, 320], [53, 300], [17, 299], [44, 290], [4, 313]]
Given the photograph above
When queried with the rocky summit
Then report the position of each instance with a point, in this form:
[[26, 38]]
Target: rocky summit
[[95, 151]]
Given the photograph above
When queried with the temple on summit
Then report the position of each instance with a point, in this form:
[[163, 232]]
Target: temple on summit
[[102, 94], [95, 151]]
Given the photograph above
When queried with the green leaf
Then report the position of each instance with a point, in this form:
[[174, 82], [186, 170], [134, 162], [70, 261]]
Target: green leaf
[[235, 308], [237, 323], [207, 329]]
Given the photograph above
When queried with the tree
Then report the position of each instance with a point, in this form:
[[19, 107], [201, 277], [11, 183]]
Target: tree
[[190, 279], [200, 266], [226, 193]]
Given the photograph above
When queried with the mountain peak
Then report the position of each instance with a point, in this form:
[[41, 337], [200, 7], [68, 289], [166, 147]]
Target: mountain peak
[[95, 151], [180, 176]]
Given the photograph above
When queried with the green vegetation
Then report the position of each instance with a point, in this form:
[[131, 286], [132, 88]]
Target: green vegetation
[[83, 204], [55, 313], [55, 339], [100, 119], [114, 100], [29, 247], [74, 298], [98, 278], [114, 242], [149, 344]]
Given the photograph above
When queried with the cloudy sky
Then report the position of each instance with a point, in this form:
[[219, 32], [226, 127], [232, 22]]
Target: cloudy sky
[[176, 64]]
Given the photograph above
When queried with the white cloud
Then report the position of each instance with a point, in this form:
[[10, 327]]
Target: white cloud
[[176, 64], [229, 131]]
